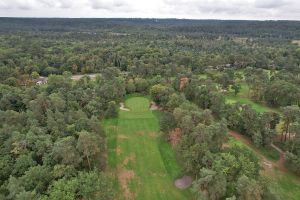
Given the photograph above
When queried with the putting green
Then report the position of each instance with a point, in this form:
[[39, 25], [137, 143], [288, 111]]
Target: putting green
[[144, 164]]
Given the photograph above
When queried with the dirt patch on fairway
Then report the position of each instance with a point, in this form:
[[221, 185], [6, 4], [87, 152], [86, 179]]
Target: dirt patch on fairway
[[184, 182], [122, 137], [140, 133], [128, 158], [174, 137], [122, 107], [125, 176], [118, 150], [153, 135]]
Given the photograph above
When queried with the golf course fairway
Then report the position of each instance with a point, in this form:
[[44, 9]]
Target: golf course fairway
[[144, 165]]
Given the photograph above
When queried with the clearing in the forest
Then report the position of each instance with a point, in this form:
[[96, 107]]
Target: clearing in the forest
[[144, 164]]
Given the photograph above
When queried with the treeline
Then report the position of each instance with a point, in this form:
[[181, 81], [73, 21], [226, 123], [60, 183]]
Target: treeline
[[207, 96], [290, 136], [261, 29], [52, 142], [275, 88], [91, 45]]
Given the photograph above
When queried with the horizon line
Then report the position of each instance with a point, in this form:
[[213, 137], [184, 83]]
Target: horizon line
[[149, 18]]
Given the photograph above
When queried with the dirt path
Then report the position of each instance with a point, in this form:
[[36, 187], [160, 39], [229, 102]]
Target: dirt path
[[245, 141], [280, 164]]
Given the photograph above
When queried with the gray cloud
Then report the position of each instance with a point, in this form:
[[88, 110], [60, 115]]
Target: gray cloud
[[270, 3], [17, 4], [35, 4], [65, 3], [110, 5], [213, 9]]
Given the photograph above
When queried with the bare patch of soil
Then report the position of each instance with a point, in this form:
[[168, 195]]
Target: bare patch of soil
[[175, 136], [128, 158], [281, 162], [122, 137], [184, 182], [118, 150], [78, 77], [153, 106], [140, 133], [183, 82], [125, 176], [153, 135]]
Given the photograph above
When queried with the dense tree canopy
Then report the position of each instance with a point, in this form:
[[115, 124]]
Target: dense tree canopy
[[53, 145]]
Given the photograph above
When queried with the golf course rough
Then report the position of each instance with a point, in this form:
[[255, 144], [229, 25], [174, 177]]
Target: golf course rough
[[145, 166]]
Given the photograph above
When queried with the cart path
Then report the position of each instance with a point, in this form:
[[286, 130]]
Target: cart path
[[280, 164]]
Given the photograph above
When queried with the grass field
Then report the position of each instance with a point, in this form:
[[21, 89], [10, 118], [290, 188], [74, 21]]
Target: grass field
[[144, 164], [285, 185], [243, 98]]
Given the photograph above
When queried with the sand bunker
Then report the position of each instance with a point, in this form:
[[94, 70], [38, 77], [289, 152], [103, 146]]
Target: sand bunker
[[122, 107], [184, 182]]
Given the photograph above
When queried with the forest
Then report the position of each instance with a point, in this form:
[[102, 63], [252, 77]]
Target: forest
[[123, 108]]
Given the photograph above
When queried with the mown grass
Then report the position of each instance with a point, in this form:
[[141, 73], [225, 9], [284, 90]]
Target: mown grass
[[243, 98], [136, 133], [285, 185], [110, 126], [258, 107]]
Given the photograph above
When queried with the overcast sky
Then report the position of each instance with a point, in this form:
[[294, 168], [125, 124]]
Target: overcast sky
[[194, 9]]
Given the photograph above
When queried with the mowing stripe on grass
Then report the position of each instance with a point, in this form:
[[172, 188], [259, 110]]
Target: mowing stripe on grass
[[145, 165]]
